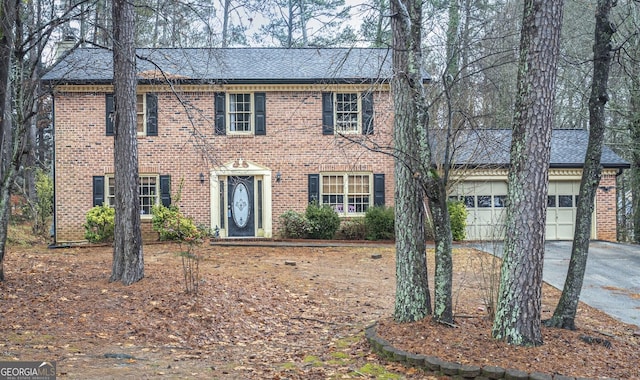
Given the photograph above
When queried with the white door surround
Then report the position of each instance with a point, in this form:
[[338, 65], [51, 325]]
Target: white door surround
[[219, 200]]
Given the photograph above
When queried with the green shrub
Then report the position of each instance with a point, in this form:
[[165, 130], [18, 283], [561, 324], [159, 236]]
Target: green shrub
[[323, 221], [458, 217], [379, 222], [171, 225], [44, 203], [100, 224], [293, 225], [353, 229]]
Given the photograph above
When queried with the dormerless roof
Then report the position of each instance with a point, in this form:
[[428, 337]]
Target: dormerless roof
[[233, 65], [490, 148]]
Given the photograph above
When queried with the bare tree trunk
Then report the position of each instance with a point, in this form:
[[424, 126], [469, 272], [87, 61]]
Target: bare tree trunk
[[128, 263], [443, 277], [565, 313], [634, 132], [413, 300], [225, 23], [517, 319], [9, 135]]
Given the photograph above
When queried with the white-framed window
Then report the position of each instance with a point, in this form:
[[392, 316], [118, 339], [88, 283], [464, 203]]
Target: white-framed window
[[350, 194], [347, 112], [148, 191], [240, 113], [146, 114], [141, 114]]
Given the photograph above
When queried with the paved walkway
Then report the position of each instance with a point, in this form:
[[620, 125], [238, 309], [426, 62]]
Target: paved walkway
[[612, 277]]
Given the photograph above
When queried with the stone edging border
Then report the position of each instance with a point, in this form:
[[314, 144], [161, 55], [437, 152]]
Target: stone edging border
[[432, 364]]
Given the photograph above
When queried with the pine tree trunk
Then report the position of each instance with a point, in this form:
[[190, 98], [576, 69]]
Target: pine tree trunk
[[128, 263], [565, 313], [517, 319], [413, 301]]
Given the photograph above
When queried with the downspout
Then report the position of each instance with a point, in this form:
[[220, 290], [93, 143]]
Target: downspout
[[52, 230]]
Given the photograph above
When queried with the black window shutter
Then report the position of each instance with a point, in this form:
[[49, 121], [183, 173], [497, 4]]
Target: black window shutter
[[98, 190], [110, 108], [260, 99], [152, 115], [327, 113], [165, 190], [221, 125], [314, 188], [378, 189], [367, 113]]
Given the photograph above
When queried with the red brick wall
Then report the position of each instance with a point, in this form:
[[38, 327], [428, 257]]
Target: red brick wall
[[186, 146], [606, 208]]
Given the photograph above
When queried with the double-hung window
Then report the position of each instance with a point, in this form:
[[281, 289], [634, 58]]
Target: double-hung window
[[240, 113], [146, 114], [153, 189], [348, 194], [141, 126], [347, 113]]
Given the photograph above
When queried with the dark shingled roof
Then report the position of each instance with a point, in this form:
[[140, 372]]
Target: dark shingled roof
[[490, 147], [233, 65]]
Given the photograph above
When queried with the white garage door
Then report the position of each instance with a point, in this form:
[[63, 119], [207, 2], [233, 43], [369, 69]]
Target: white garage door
[[561, 209], [485, 201]]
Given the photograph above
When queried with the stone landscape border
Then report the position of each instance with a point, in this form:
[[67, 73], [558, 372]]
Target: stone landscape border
[[456, 370]]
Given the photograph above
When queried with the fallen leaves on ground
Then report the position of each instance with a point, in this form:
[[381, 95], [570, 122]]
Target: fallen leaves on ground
[[256, 316]]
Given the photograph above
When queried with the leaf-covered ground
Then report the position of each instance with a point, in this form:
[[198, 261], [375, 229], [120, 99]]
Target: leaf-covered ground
[[257, 316]]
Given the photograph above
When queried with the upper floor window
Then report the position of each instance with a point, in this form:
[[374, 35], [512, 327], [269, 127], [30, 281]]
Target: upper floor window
[[347, 113], [240, 113], [146, 114]]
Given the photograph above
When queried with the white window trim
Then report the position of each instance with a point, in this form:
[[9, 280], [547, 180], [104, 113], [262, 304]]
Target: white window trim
[[144, 114], [359, 113], [228, 113], [110, 198], [345, 191]]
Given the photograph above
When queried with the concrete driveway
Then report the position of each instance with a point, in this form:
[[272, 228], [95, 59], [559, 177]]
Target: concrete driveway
[[612, 277]]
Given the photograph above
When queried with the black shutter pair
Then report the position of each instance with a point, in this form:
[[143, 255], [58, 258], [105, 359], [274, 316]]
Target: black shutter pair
[[327, 113], [378, 189], [99, 196], [259, 108], [151, 115]]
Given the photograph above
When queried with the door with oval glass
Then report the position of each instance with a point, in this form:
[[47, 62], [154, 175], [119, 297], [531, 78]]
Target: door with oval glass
[[240, 215]]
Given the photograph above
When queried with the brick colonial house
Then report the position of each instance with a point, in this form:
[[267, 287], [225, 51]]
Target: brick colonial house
[[243, 135]]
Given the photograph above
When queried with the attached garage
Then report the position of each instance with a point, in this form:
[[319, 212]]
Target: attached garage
[[481, 162], [486, 201]]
